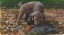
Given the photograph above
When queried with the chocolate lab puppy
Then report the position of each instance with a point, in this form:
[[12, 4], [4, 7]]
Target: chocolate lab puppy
[[29, 8], [38, 14]]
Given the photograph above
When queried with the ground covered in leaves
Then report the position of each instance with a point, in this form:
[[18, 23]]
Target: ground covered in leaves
[[54, 18]]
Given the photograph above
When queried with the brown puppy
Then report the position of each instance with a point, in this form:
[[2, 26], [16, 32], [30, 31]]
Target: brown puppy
[[38, 14], [29, 8]]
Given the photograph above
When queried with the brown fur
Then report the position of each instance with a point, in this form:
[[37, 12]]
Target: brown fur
[[38, 17], [29, 8]]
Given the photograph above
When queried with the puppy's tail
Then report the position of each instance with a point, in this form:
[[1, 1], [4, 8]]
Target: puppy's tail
[[20, 3]]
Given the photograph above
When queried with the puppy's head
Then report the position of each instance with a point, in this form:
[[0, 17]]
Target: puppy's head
[[37, 17]]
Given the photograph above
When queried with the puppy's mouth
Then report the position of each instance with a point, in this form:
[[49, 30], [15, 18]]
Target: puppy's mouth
[[36, 22]]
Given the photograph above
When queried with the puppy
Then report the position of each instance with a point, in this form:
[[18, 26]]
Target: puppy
[[38, 14], [29, 8]]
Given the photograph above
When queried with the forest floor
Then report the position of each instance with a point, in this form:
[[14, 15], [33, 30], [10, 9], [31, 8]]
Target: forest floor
[[50, 14]]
